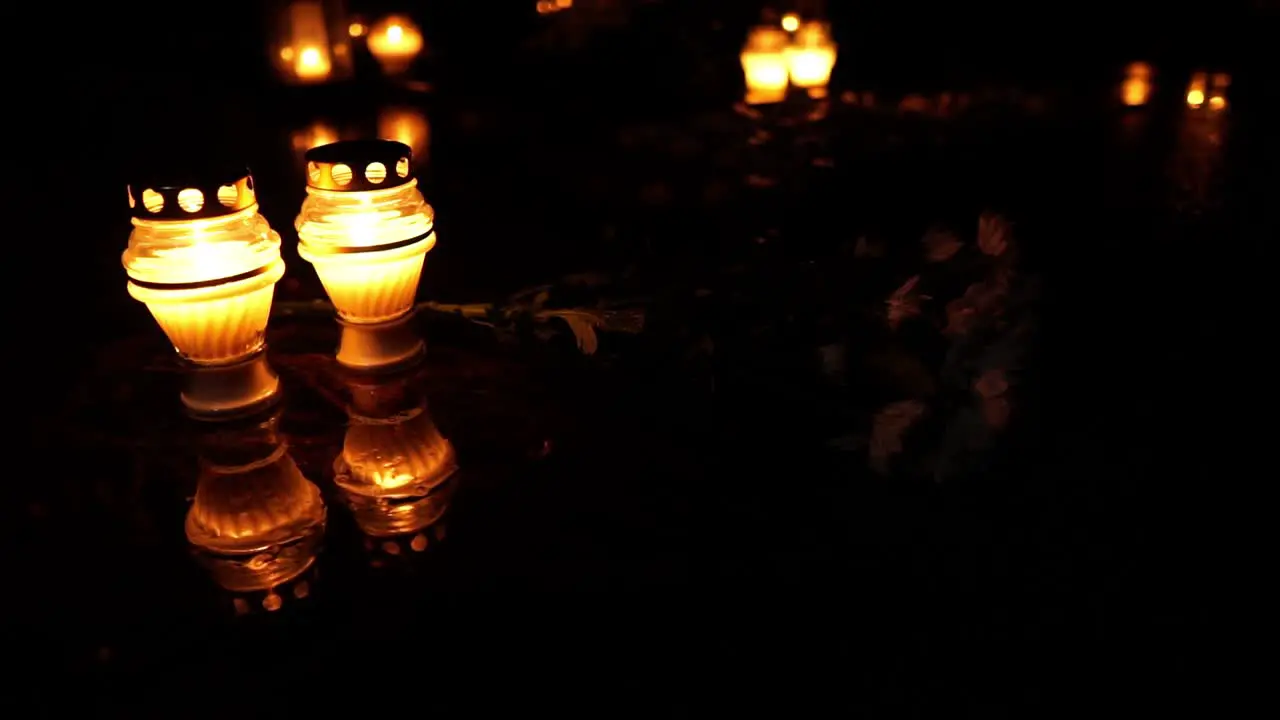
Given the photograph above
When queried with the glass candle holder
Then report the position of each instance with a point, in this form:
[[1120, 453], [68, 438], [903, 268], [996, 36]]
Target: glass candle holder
[[367, 230], [256, 522], [811, 56], [309, 41], [205, 263], [395, 465], [395, 42], [764, 64]]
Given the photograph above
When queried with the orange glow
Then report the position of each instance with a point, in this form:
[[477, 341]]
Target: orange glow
[[313, 64], [305, 54], [1218, 91], [407, 125], [564, 4], [545, 6], [1135, 92], [812, 56], [314, 135], [790, 22], [356, 29], [1195, 90], [395, 43], [1136, 88], [764, 64]]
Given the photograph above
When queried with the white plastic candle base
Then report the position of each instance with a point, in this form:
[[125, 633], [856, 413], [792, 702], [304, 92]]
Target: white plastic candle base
[[217, 392], [380, 347]]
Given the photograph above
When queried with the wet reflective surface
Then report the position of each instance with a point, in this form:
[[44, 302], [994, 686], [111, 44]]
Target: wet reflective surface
[[889, 385]]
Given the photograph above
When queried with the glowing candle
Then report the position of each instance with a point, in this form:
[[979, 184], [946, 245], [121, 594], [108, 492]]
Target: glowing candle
[[395, 43], [312, 46], [790, 22], [394, 462], [1195, 90], [764, 63], [1218, 91], [811, 56], [256, 521], [367, 229], [206, 264], [1136, 89], [313, 63]]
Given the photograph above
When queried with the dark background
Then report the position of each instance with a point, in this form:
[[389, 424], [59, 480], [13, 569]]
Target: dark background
[[1148, 308]]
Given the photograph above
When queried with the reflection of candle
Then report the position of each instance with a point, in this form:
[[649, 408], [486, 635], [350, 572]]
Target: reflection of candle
[[1195, 90], [811, 57], [1136, 88], [764, 63], [256, 520], [405, 125], [395, 42], [395, 465]]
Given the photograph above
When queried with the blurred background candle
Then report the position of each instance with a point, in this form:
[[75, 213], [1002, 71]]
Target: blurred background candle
[[367, 230], [790, 22], [256, 522], [205, 262], [310, 43], [1136, 88], [1196, 90], [395, 42], [764, 64], [811, 56], [1218, 91]]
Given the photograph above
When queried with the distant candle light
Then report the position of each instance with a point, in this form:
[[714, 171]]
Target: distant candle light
[[790, 22], [1136, 89], [764, 63], [313, 64], [395, 42], [1195, 90]]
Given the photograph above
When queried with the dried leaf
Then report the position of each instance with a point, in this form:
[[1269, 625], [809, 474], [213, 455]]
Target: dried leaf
[[583, 324], [887, 429], [995, 234], [940, 245], [991, 384], [904, 302]]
